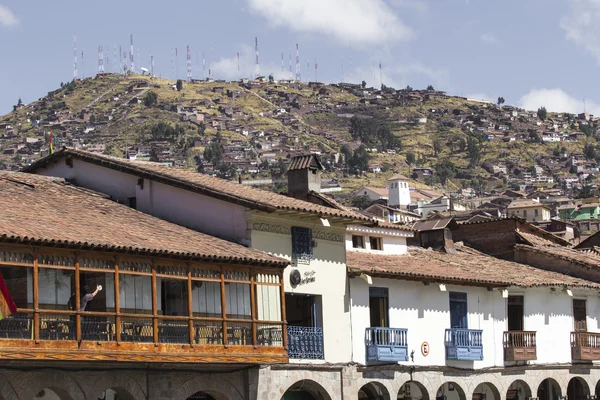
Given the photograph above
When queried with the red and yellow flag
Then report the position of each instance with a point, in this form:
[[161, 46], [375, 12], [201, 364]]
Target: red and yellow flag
[[7, 305], [51, 149]]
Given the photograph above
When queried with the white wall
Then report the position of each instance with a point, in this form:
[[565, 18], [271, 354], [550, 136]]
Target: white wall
[[393, 241], [330, 279], [424, 311], [195, 211], [398, 193]]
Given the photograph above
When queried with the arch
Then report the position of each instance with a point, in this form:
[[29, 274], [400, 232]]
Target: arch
[[306, 389], [124, 384], [412, 390], [7, 392], [373, 391], [59, 382], [486, 391], [549, 389], [518, 390], [451, 391], [578, 389], [218, 389], [597, 391]]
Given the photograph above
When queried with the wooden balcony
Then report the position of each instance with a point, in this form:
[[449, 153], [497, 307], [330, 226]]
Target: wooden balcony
[[585, 346], [464, 344], [150, 309], [386, 344], [519, 346]]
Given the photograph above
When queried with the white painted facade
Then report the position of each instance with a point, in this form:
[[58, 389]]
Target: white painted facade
[[392, 241], [398, 192]]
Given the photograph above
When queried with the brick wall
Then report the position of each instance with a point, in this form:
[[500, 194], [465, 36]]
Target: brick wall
[[494, 238]]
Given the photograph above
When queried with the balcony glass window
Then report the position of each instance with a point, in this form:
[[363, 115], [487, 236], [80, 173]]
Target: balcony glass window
[[378, 307], [206, 299], [56, 288], [580, 315], [515, 313], [238, 300], [19, 282], [458, 310]]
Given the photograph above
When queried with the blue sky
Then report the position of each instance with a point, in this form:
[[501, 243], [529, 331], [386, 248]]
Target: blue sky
[[531, 52]]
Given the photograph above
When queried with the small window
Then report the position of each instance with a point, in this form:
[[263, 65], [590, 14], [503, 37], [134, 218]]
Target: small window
[[537, 212], [375, 243], [302, 247], [358, 242], [524, 213]]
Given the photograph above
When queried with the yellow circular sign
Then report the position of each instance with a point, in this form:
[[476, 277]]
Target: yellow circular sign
[[425, 349]]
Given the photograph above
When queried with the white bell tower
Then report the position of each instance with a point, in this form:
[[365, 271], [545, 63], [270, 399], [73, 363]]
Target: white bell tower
[[398, 191]]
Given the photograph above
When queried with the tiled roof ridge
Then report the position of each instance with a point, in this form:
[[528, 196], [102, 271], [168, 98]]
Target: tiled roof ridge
[[136, 167], [45, 223]]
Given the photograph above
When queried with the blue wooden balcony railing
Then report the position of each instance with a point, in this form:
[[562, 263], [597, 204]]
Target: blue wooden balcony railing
[[464, 344], [386, 344], [305, 342]]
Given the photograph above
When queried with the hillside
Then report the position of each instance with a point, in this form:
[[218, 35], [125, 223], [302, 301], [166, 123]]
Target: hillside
[[247, 128]]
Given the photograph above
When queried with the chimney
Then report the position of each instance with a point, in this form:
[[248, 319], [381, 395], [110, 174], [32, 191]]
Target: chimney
[[304, 176]]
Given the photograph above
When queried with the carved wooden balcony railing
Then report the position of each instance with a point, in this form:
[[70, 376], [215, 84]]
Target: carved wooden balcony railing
[[519, 346], [386, 344], [585, 346]]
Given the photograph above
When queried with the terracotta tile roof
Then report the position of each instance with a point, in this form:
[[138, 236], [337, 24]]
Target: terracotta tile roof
[[526, 204], [48, 211], [204, 184], [588, 259], [466, 267], [398, 177], [305, 161], [380, 191]]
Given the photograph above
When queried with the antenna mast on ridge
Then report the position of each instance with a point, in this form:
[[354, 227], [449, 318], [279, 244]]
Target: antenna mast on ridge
[[298, 73], [100, 59], [75, 72], [189, 64], [257, 67], [131, 58]]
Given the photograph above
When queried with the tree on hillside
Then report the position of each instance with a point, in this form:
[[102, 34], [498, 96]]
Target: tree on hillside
[[585, 192], [542, 113], [445, 170], [150, 99], [500, 101], [179, 85], [410, 158], [19, 103], [201, 128], [408, 88], [430, 87], [271, 78], [474, 152], [437, 146], [363, 84], [462, 144], [589, 151], [359, 162], [361, 202], [346, 152]]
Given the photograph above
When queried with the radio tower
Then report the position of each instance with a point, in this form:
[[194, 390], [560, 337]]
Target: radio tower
[[120, 58], [380, 76], [82, 66], [203, 67], [316, 71], [291, 76], [151, 65], [75, 72], [116, 66], [189, 64], [257, 68], [132, 66], [282, 66], [298, 73], [100, 60]]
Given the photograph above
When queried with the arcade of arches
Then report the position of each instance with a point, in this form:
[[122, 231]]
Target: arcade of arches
[[299, 383]]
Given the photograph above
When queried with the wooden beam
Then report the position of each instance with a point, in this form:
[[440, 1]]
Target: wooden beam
[[117, 303], [154, 306], [283, 316], [190, 302], [224, 308], [253, 308], [77, 299], [36, 299]]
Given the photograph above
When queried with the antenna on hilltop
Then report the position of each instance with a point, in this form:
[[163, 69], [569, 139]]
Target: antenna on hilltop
[[176, 63], [298, 73], [342, 68], [189, 64], [316, 71], [131, 58], [117, 66], [203, 67], [151, 65], [291, 76], [100, 59], [257, 67], [75, 72], [120, 57], [238, 63], [212, 57], [82, 66], [282, 66], [380, 76]]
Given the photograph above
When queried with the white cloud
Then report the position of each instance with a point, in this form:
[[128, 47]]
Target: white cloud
[[557, 100], [481, 96], [581, 25], [227, 67], [397, 76], [360, 22], [7, 18], [488, 38]]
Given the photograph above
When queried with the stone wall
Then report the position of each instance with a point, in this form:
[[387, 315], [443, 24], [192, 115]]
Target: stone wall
[[324, 382]]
